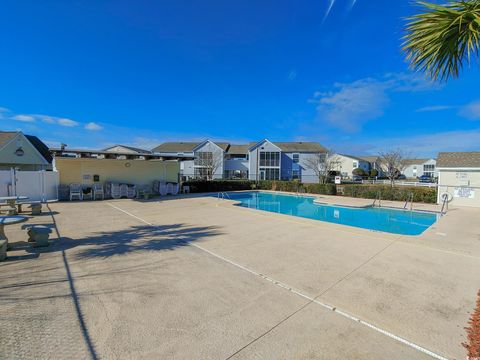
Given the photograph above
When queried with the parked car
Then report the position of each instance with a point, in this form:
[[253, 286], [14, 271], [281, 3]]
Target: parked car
[[357, 178], [425, 179]]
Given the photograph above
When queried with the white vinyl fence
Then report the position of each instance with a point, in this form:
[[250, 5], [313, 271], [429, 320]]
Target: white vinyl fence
[[36, 185], [400, 183]]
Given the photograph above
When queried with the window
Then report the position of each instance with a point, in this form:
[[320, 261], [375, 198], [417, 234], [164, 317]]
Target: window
[[203, 158], [295, 174], [269, 158], [428, 167], [296, 158], [355, 164], [269, 174]]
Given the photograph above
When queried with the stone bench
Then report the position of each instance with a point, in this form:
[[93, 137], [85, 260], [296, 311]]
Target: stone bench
[[3, 249], [39, 234], [8, 209]]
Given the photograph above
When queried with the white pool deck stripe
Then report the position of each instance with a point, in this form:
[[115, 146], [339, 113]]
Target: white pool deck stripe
[[307, 297]]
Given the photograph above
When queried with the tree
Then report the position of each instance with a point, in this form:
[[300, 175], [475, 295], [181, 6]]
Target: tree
[[392, 163], [443, 37], [322, 164], [208, 163], [373, 173]]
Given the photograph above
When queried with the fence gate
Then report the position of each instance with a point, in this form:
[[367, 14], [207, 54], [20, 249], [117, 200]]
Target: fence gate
[[36, 185]]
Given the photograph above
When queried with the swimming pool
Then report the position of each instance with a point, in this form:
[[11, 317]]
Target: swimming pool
[[394, 221]]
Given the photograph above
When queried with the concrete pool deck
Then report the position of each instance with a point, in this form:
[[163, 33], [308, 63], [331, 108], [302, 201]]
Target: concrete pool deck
[[197, 277]]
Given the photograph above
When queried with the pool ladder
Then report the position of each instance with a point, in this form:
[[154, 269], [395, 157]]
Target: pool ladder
[[409, 199], [223, 195], [379, 198]]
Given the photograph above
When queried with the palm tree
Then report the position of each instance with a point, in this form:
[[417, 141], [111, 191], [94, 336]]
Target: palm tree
[[443, 37]]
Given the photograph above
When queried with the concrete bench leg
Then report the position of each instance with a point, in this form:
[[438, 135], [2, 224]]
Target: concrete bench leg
[[3, 250], [41, 240], [36, 209]]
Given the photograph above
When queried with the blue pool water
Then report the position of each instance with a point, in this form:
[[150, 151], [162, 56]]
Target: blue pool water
[[394, 221]]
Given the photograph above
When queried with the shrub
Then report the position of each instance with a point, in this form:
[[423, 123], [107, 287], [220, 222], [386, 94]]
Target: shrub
[[358, 172], [399, 193], [324, 189], [373, 172], [197, 186]]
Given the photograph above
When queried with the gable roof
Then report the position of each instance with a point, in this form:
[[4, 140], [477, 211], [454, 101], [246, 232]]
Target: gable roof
[[354, 157], [370, 158], [137, 150], [300, 146], [176, 147], [41, 147], [459, 159], [6, 137], [414, 161], [238, 149]]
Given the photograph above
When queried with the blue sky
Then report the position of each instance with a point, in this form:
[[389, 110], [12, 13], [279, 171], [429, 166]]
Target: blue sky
[[94, 73]]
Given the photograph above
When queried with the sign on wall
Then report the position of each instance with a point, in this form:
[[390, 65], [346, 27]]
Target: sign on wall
[[464, 192]]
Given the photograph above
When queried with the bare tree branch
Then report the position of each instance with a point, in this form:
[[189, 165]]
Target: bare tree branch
[[392, 163], [322, 164]]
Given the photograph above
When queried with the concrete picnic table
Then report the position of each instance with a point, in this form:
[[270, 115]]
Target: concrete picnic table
[[4, 221], [12, 201]]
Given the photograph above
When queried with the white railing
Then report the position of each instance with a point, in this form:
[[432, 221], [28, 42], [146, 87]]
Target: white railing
[[399, 183]]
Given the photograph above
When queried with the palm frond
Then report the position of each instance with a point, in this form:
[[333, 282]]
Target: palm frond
[[441, 38]]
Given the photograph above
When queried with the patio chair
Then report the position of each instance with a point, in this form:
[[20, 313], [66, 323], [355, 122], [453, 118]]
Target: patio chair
[[115, 191], [76, 191], [175, 189], [163, 189], [123, 190], [131, 191], [98, 191], [156, 186]]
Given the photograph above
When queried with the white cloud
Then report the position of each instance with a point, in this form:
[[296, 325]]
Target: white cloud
[[67, 122], [470, 111], [24, 118], [93, 126], [349, 105], [431, 144], [435, 108]]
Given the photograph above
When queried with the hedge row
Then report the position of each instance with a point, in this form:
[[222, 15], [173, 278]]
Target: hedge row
[[399, 193], [197, 186], [294, 186]]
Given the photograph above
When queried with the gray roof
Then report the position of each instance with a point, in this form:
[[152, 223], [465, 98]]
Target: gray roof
[[370, 158], [176, 147], [300, 146], [414, 161], [6, 136], [137, 150], [238, 149], [354, 157], [459, 159], [41, 147]]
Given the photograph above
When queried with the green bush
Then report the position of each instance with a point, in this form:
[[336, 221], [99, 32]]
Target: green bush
[[198, 186], [373, 173], [399, 193], [358, 172]]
